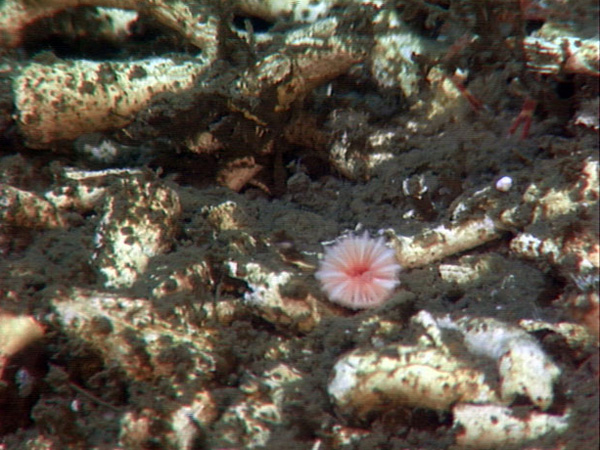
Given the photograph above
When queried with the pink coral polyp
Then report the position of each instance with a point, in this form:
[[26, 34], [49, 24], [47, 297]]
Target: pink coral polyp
[[358, 272]]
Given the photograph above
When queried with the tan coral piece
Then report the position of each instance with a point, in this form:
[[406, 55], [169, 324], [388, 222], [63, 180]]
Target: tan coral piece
[[445, 240], [575, 248], [299, 10], [84, 190], [524, 368], [16, 332], [268, 299], [250, 420], [25, 209], [492, 426], [400, 375], [128, 333], [138, 223], [66, 99], [63, 100], [311, 56], [228, 216], [193, 21], [203, 410]]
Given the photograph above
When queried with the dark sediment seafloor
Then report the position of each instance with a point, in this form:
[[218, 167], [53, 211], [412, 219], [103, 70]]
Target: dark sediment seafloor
[[156, 281]]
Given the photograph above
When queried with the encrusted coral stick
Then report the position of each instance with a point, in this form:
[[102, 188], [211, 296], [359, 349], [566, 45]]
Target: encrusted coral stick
[[193, 21], [311, 56], [25, 209], [63, 100], [16, 15], [437, 243], [66, 99]]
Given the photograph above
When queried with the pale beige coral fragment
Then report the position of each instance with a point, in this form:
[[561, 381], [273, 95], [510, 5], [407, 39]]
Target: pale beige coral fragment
[[299, 10], [437, 243], [195, 24], [311, 56], [62, 100], [249, 421], [575, 246], [401, 375], [540, 205], [16, 332], [129, 334], [25, 209], [267, 299], [524, 368], [66, 99], [138, 223], [429, 375], [493, 426], [83, 190]]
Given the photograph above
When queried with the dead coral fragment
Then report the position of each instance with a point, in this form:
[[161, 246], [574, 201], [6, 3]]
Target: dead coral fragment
[[138, 223], [442, 241], [16, 332], [299, 10], [492, 426], [25, 209], [67, 99], [524, 367], [196, 22], [401, 375], [267, 297], [129, 334], [249, 422], [429, 375]]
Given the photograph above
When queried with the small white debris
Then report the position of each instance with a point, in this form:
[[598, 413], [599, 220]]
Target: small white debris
[[504, 184]]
